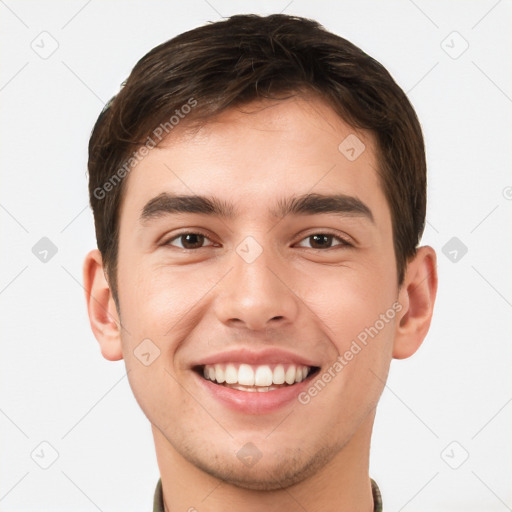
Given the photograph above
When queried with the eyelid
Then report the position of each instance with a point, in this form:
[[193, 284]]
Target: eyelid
[[345, 239], [167, 240]]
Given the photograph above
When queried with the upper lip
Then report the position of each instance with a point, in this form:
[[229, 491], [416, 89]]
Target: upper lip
[[261, 357]]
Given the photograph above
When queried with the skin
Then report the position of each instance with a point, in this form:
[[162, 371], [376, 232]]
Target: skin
[[312, 302]]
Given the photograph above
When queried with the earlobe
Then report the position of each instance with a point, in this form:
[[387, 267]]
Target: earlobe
[[417, 296], [103, 315]]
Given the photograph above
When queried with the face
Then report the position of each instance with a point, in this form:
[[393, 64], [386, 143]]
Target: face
[[290, 265]]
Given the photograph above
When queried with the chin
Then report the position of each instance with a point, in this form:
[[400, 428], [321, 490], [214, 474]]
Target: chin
[[283, 471]]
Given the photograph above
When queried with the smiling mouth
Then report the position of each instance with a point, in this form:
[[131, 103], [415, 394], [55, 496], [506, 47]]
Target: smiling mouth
[[256, 378]]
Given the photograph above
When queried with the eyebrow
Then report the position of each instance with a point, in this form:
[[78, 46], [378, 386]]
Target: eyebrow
[[307, 204]]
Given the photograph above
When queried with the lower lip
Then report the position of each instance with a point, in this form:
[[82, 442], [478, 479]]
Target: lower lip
[[254, 402]]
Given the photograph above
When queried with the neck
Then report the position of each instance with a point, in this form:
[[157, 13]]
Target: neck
[[343, 484]]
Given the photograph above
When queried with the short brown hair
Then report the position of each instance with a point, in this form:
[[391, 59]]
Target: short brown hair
[[242, 59]]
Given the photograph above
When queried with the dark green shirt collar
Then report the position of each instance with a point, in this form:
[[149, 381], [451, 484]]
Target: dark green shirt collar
[[158, 501]]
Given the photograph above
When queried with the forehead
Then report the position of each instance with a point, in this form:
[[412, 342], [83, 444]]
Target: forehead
[[253, 154]]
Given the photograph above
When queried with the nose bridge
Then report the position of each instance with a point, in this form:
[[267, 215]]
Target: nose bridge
[[252, 294]]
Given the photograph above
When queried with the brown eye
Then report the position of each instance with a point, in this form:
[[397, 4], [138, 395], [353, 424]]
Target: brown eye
[[323, 241], [188, 241]]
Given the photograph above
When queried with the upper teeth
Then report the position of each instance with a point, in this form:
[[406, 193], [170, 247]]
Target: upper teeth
[[249, 375]]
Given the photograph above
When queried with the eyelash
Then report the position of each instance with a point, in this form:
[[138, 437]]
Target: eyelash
[[344, 242]]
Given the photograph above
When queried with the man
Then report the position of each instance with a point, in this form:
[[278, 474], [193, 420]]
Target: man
[[259, 188]]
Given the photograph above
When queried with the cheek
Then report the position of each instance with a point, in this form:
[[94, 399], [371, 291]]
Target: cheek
[[347, 301], [162, 304], [151, 298], [156, 316], [357, 314]]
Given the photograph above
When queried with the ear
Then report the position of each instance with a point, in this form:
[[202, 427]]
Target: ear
[[417, 296], [103, 314]]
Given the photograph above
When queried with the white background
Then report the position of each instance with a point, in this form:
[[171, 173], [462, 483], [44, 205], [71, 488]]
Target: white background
[[56, 387]]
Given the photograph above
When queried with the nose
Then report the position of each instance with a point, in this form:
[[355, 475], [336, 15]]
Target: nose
[[257, 295]]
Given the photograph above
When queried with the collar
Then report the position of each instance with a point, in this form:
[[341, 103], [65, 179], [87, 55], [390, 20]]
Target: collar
[[158, 501]]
